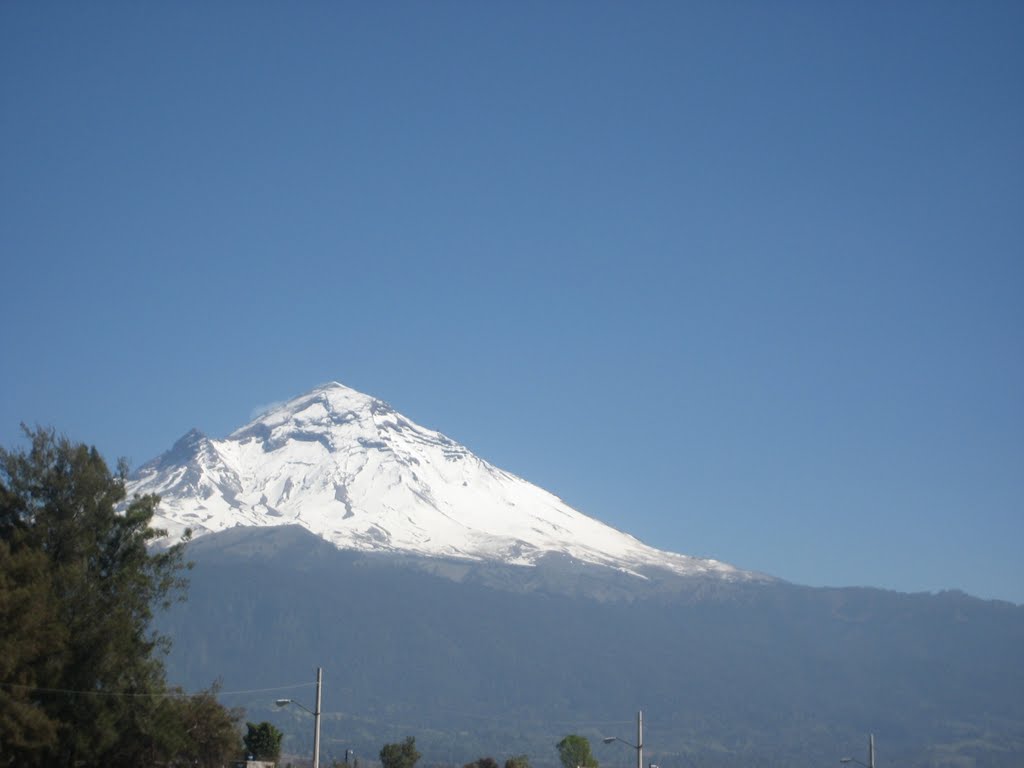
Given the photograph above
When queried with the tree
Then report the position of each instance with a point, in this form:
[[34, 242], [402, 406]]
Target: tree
[[30, 651], [402, 755], [574, 752], [80, 584], [210, 731], [518, 761], [263, 741], [482, 762]]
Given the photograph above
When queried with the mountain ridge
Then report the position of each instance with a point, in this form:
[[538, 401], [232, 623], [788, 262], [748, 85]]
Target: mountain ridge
[[354, 471], [499, 659]]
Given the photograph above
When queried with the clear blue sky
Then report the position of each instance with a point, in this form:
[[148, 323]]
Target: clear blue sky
[[744, 279]]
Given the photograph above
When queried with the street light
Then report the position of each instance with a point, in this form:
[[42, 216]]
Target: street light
[[315, 713], [871, 755], [639, 746]]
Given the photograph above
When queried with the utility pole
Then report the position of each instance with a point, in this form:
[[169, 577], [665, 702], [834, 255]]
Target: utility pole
[[639, 746], [640, 739], [316, 719], [315, 712]]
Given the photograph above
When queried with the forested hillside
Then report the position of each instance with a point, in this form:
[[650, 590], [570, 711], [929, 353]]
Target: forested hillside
[[762, 674]]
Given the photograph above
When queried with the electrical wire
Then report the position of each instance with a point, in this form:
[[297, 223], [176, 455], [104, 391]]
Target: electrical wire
[[161, 695]]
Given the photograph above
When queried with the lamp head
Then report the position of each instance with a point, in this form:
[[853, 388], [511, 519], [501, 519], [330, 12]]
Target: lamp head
[[608, 739], [282, 702], [845, 759]]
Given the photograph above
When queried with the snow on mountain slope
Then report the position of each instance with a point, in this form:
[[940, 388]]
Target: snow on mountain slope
[[350, 469]]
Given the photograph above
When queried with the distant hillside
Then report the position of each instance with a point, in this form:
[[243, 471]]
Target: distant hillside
[[499, 660]]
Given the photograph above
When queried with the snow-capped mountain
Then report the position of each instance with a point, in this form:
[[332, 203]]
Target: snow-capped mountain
[[352, 470]]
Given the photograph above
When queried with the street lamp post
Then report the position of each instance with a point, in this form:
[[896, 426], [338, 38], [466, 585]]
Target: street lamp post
[[315, 713], [639, 746], [871, 755]]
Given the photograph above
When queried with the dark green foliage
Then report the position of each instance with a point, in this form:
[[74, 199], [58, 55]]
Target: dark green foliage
[[81, 676], [263, 741], [403, 755], [518, 761], [207, 733], [31, 643], [574, 752], [482, 762]]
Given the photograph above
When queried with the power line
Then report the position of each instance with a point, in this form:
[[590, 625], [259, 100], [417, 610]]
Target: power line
[[337, 714], [264, 690], [162, 695]]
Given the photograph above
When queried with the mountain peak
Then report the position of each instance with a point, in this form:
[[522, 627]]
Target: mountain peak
[[184, 450], [324, 401], [354, 471]]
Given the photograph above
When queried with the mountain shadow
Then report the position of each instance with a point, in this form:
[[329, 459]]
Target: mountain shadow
[[482, 660]]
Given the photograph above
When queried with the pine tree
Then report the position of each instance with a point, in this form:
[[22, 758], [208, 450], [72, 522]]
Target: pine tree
[[78, 587], [263, 741], [402, 755]]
